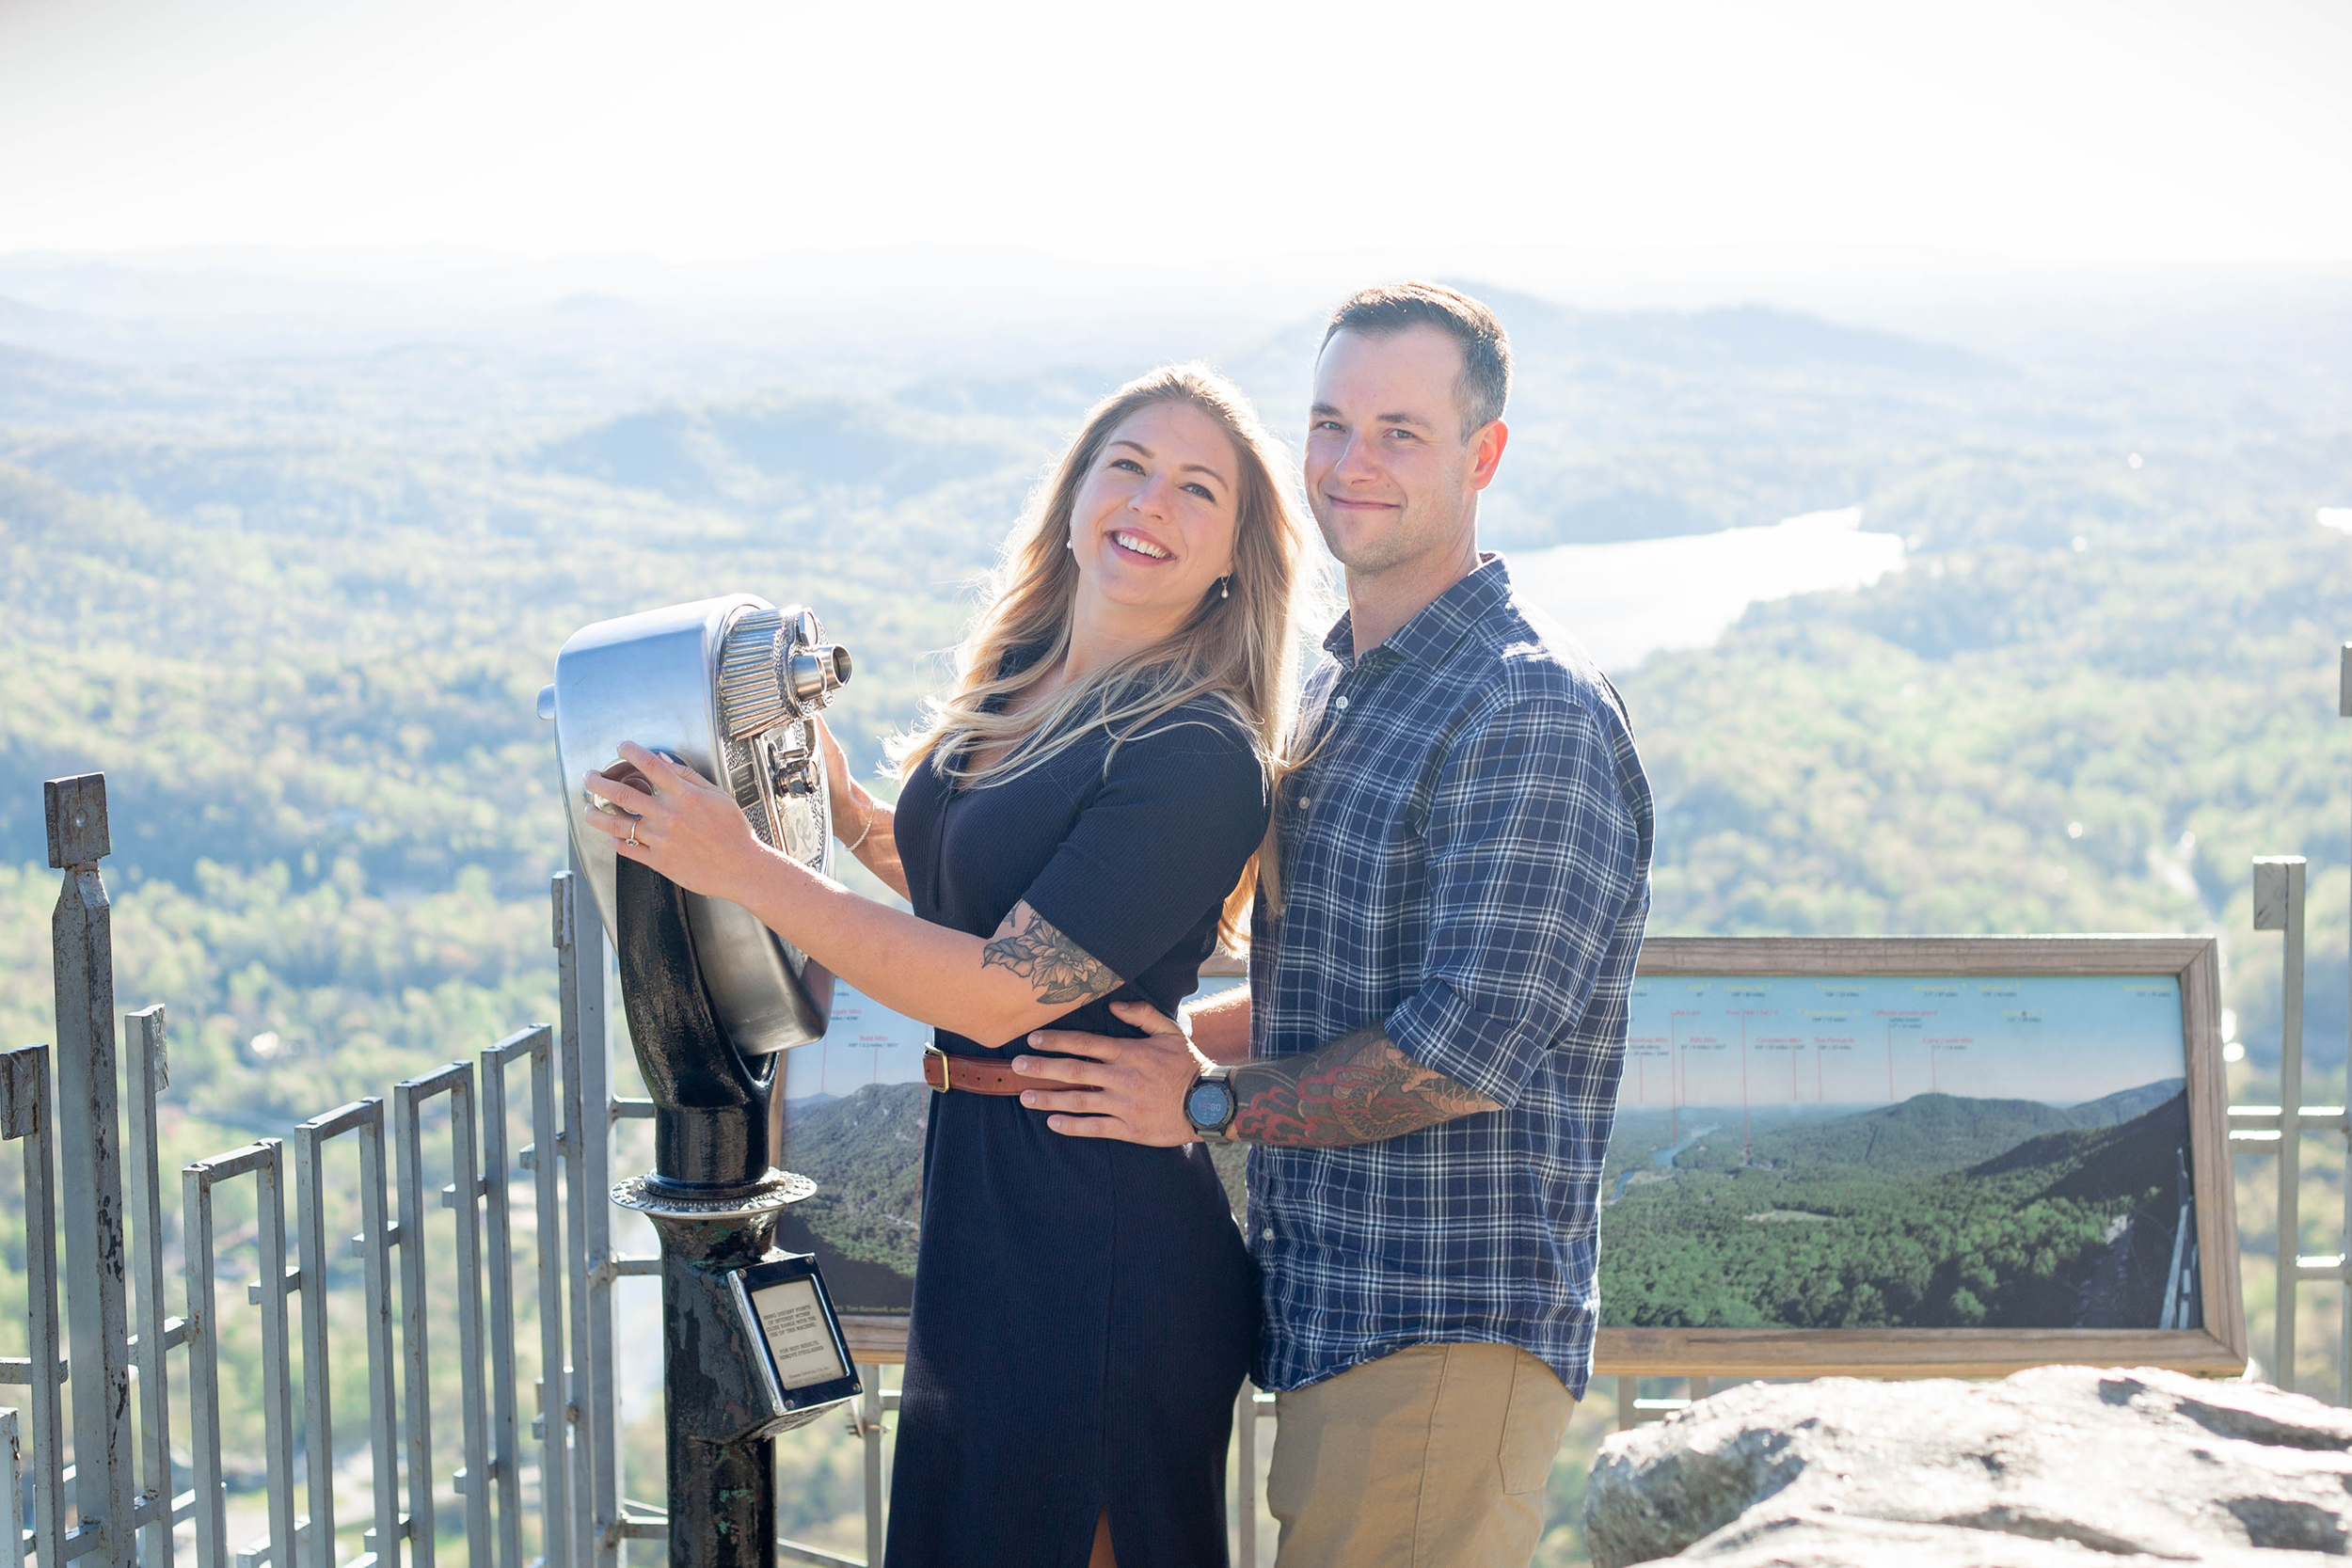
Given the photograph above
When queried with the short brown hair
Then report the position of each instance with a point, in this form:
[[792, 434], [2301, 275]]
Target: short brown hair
[[1391, 307]]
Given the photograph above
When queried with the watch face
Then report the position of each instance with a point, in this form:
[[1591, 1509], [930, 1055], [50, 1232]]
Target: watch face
[[1210, 1104]]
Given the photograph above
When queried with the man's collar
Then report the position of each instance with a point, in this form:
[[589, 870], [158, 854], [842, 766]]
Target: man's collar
[[1438, 624]]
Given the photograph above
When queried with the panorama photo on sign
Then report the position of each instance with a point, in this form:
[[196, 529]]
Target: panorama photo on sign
[[1939, 1152], [1889, 1151]]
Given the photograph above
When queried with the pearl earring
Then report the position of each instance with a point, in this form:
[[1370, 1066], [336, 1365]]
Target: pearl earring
[[1225, 586]]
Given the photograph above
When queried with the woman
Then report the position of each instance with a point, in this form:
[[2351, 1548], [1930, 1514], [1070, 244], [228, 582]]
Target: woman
[[1078, 812]]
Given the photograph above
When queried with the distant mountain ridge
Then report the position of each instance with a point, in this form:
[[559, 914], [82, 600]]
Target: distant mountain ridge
[[2109, 1160], [1927, 1133], [761, 451], [1749, 336], [1627, 425], [2127, 1104]]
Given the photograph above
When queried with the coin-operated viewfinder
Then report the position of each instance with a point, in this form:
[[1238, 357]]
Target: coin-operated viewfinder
[[731, 686]]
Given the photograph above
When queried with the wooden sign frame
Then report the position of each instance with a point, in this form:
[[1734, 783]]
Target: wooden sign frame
[[2218, 1348]]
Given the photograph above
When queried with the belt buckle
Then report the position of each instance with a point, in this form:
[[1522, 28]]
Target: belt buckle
[[935, 1050]]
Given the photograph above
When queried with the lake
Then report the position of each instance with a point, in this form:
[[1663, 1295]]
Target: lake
[[1624, 601]]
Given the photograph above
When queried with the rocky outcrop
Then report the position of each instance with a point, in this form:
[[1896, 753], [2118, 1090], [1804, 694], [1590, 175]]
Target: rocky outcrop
[[2059, 1465]]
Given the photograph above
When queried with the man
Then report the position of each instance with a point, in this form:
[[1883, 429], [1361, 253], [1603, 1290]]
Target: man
[[1427, 1058]]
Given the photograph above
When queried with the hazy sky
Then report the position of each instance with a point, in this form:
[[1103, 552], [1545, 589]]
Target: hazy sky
[[1877, 1040], [2055, 129]]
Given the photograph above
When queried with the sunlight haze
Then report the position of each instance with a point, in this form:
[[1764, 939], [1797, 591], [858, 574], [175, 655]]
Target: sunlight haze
[[2068, 133]]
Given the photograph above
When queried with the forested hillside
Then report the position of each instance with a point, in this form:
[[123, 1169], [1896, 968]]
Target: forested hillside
[[334, 813], [2065, 1227], [298, 609], [2095, 695], [293, 584]]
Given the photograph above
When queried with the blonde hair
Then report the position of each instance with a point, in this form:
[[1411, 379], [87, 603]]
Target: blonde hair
[[1234, 650]]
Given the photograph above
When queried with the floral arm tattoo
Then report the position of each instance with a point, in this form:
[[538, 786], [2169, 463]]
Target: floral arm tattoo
[[1358, 1090], [1057, 969]]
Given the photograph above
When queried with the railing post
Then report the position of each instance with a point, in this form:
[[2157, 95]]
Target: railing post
[[27, 1116], [556, 1461], [318, 1406], [89, 1146], [150, 1069], [591, 1399], [870, 1436], [11, 1468], [2278, 906], [498, 1167], [364, 1120], [543, 1159], [261, 1160], [409, 1097], [374, 1245], [2343, 1346]]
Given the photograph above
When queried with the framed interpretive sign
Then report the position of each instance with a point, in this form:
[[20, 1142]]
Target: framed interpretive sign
[[1909, 1155], [1893, 1156], [854, 1104]]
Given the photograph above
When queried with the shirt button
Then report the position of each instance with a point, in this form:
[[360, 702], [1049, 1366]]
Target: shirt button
[[1305, 801], [1339, 702], [1267, 1234]]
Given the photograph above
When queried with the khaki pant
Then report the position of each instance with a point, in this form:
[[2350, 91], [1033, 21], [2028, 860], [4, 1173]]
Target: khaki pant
[[1432, 1457]]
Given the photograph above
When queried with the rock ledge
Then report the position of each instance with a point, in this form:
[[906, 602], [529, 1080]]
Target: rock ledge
[[2060, 1465]]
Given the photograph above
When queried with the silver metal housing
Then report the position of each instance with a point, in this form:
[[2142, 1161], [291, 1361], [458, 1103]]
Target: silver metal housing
[[728, 687]]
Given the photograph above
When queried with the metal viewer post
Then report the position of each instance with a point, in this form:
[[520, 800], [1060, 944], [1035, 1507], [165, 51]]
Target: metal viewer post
[[730, 685], [714, 1198]]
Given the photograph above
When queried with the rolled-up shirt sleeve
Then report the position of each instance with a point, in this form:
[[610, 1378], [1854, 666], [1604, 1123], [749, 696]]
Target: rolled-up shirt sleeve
[[1533, 858]]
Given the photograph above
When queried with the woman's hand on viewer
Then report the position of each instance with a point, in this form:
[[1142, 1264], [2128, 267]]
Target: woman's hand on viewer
[[1135, 1088], [686, 828]]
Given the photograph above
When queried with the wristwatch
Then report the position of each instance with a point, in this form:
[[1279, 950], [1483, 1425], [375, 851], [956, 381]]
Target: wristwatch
[[1209, 1104]]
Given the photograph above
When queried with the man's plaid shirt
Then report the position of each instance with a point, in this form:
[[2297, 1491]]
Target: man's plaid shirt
[[1466, 858]]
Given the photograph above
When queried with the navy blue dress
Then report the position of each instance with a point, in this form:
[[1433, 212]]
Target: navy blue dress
[[1085, 1310]]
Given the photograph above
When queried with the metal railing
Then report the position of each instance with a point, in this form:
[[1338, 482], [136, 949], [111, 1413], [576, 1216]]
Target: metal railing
[[554, 1482], [2282, 1129]]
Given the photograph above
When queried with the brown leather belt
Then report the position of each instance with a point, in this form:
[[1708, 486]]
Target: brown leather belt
[[979, 1075]]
